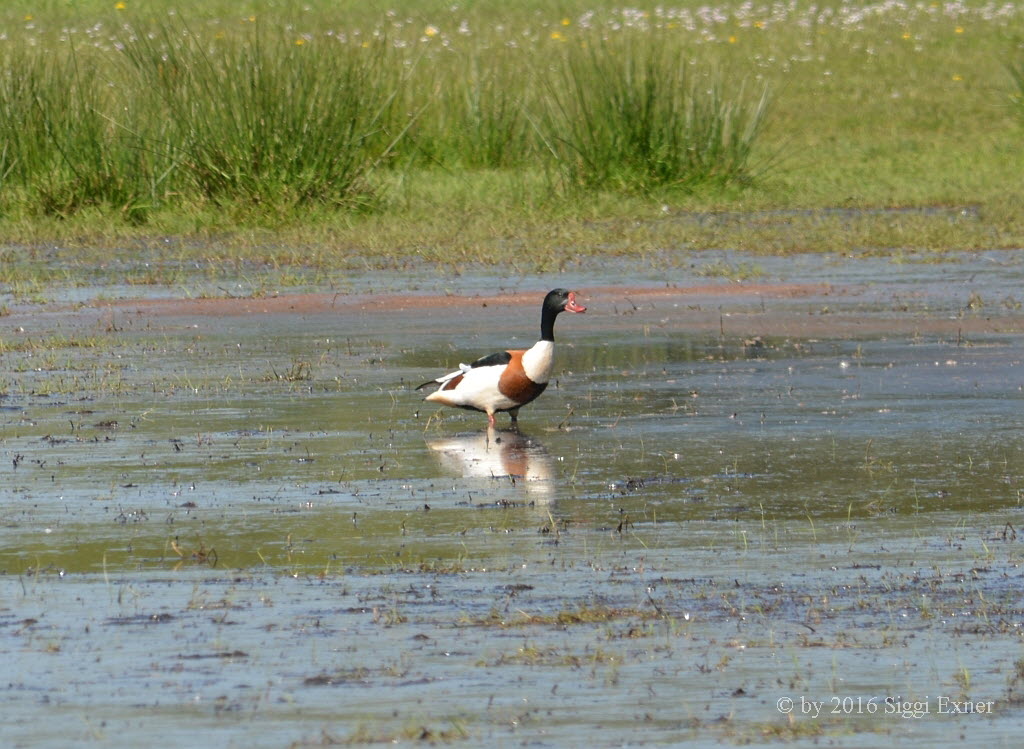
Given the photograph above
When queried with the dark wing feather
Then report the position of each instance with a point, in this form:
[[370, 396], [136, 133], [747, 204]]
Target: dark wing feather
[[492, 360]]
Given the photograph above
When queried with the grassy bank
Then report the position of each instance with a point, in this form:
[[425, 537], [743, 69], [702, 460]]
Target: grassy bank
[[331, 135]]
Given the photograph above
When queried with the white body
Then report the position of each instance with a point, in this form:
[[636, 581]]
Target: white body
[[479, 385], [478, 388]]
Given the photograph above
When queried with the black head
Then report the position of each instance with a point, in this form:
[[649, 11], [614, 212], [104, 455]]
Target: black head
[[556, 302], [562, 300]]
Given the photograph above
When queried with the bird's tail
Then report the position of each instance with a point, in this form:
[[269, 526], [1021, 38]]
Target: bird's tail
[[463, 368]]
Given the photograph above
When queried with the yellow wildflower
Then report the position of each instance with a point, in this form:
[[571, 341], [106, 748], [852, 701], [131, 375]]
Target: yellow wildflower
[[566, 22], [431, 31], [557, 36], [120, 6], [732, 39], [300, 42], [959, 29]]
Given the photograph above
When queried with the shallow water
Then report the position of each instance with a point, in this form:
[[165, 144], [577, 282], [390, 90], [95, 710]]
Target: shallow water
[[251, 530]]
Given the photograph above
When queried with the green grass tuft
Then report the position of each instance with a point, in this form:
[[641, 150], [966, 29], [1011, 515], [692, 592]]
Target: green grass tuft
[[259, 119], [637, 116]]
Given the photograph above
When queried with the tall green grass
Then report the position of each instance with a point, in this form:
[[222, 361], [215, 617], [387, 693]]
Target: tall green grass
[[255, 118], [266, 120], [638, 116], [474, 109], [465, 125], [1017, 92], [62, 149]]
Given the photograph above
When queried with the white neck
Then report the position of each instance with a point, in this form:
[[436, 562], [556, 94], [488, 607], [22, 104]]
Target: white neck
[[539, 360]]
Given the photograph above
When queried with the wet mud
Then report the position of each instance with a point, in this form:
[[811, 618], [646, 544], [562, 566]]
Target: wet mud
[[784, 510]]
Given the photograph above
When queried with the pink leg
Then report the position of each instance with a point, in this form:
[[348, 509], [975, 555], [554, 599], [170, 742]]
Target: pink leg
[[490, 419]]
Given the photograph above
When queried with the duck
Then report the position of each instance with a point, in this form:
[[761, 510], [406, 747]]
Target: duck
[[507, 380]]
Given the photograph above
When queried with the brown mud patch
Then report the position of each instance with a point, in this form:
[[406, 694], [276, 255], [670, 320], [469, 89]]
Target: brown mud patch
[[767, 309], [318, 303]]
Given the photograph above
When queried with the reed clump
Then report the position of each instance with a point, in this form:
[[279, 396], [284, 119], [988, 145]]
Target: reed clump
[[637, 115], [259, 120], [256, 119]]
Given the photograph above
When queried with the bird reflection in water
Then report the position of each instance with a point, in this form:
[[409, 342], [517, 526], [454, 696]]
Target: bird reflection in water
[[500, 454]]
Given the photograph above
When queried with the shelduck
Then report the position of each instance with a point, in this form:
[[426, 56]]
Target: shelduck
[[507, 380]]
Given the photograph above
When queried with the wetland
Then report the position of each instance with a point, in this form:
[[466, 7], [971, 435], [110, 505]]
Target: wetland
[[772, 495], [782, 509]]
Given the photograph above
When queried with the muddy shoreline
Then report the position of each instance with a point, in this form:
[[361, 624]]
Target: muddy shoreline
[[235, 515], [767, 309]]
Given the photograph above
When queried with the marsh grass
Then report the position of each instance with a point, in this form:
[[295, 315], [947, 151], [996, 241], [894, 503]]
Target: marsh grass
[[339, 135], [637, 116], [62, 152], [51, 343], [1016, 71], [261, 121], [477, 112]]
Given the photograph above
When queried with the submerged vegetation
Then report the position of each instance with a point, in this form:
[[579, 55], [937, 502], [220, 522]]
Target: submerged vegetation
[[439, 131]]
